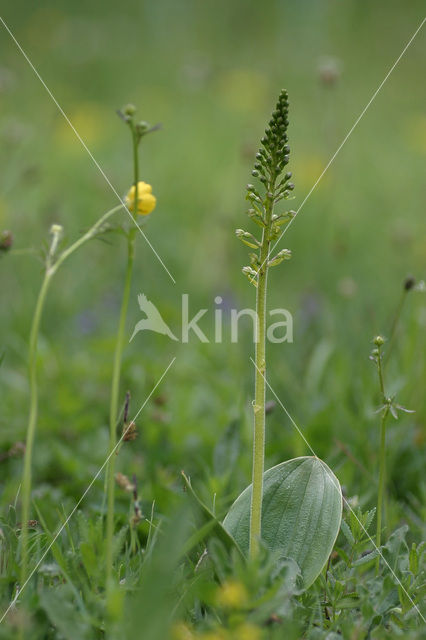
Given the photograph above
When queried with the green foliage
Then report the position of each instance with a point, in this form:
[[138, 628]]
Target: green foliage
[[302, 506], [209, 71]]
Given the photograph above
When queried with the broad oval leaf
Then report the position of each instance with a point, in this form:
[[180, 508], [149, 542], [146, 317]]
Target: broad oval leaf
[[302, 510]]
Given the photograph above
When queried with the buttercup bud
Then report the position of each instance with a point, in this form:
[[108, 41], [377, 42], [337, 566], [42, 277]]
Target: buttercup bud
[[56, 232], [129, 110], [142, 127], [56, 229]]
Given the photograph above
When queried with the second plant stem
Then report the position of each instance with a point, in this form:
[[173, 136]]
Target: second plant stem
[[51, 269], [115, 384], [382, 479], [32, 423], [115, 393], [260, 388], [382, 461]]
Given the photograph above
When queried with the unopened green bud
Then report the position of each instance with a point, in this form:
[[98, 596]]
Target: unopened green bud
[[6, 240], [56, 231], [284, 254], [379, 341], [142, 127], [129, 110], [247, 238]]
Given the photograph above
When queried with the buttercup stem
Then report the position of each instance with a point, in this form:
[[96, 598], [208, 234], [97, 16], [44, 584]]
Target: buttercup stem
[[87, 236], [32, 423], [50, 271], [115, 385], [115, 391]]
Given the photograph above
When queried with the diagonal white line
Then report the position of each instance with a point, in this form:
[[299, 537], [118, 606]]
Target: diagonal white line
[[347, 136], [92, 482], [344, 499], [95, 162]]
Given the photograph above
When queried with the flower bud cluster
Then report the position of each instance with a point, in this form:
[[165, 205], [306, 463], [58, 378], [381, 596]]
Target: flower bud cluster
[[270, 168]]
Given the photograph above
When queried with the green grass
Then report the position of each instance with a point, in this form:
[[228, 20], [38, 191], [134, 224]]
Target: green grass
[[210, 72]]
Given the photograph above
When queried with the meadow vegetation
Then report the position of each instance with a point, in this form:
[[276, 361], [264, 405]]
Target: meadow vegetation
[[126, 508]]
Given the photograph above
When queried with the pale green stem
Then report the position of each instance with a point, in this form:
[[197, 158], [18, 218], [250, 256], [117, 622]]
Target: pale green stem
[[32, 372], [32, 423], [382, 459], [382, 481], [395, 323], [87, 236], [260, 389], [115, 394], [115, 384]]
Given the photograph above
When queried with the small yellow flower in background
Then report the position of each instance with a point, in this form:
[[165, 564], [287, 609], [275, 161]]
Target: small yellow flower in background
[[247, 632], [181, 631], [146, 201], [219, 634], [232, 595]]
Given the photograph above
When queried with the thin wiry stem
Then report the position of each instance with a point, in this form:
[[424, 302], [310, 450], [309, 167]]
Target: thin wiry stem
[[116, 374], [382, 454], [50, 270]]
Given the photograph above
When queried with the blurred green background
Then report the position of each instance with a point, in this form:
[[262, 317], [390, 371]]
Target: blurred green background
[[210, 72]]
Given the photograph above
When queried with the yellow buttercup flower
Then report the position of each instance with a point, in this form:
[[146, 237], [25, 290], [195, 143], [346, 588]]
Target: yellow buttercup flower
[[146, 201]]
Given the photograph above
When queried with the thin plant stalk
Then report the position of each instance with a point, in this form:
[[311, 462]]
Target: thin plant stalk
[[52, 267], [408, 285], [381, 495], [116, 374], [115, 391], [260, 389], [382, 480], [32, 423], [271, 160], [389, 407]]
